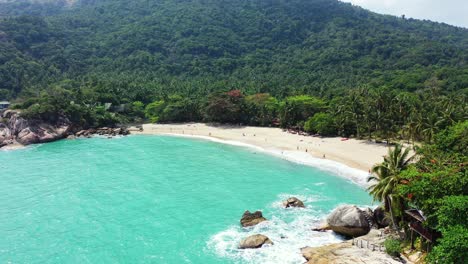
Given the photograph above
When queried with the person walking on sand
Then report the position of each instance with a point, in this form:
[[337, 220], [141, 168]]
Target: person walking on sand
[[324, 156]]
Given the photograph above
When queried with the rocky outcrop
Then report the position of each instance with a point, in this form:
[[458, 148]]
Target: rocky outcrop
[[349, 220], [293, 202], [41, 133], [380, 218], [15, 129], [104, 131], [251, 219], [351, 252], [255, 241]]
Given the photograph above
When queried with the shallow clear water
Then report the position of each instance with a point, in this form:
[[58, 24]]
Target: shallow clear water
[[158, 199]]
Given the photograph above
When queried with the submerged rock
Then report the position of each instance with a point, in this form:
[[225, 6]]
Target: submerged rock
[[349, 220], [293, 202], [255, 241], [251, 219]]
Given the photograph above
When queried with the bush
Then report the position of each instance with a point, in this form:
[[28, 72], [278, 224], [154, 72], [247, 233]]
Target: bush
[[452, 248], [392, 247]]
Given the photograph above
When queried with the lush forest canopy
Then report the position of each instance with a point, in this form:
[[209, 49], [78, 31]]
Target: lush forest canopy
[[138, 49], [279, 55]]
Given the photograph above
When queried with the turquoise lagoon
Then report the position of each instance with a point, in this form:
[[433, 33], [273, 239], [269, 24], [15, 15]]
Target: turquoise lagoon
[[158, 199]]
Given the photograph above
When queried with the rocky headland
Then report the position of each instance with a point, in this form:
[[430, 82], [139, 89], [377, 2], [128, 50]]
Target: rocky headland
[[18, 131]]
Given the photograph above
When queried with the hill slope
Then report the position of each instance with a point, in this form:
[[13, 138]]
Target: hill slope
[[199, 46]]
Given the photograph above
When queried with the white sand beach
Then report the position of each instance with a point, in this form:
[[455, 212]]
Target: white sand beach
[[328, 153]]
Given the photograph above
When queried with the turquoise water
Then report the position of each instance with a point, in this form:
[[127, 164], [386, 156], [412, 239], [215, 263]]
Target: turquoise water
[[158, 199]]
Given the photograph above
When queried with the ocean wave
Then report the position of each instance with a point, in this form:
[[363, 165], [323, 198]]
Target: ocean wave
[[289, 229]]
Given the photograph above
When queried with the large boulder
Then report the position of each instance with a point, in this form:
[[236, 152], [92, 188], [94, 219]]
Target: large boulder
[[41, 134], [380, 218], [255, 241], [16, 129], [251, 219], [15, 122], [5, 134], [349, 220], [27, 136], [293, 202]]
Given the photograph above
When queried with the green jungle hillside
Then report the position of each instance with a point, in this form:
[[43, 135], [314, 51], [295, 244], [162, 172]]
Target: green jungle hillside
[[194, 47]]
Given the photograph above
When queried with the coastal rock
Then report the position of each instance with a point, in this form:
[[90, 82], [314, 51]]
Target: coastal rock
[[365, 249], [321, 229], [5, 134], [255, 241], [293, 202], [380, 218], [41, 133], [27, 137], [348, 220], [103, 131], [7, 114], [80, 133], [251, 219], [15, 122]]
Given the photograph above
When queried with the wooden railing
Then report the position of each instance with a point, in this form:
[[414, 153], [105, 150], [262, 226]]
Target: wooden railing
[[416, 226]]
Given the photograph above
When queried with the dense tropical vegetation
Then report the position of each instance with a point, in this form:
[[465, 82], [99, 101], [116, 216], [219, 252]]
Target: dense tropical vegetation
[[324, 66], [321, 66], [437, 184]]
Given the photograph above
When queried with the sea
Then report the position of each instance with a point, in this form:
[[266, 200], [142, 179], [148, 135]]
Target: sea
[[161, 199]]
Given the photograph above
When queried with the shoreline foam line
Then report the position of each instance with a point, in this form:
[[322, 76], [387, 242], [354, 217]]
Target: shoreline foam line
[[359, 177]]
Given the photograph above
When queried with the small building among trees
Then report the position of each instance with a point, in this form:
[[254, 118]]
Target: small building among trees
[[416, 224], [4, 105]]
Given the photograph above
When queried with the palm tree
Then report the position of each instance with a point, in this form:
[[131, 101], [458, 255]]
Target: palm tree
[[386, 177]]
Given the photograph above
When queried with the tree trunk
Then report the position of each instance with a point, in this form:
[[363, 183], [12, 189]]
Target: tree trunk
[[388, 201]]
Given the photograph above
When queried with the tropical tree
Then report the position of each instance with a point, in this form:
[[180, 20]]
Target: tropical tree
[[386, 178]]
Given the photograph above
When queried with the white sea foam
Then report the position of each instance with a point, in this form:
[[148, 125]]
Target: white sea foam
[[289, 229], [357, 176]]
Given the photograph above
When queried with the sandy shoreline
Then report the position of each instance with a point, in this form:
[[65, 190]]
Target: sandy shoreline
[[351, 158]]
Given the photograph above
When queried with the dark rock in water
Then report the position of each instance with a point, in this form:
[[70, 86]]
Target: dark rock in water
[[80, 133], [321, 229], [251, 219], [255, 241], [293, 202], [349, 220], [380, 218]]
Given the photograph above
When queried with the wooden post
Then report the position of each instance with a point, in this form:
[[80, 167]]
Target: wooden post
[[412, 240]]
